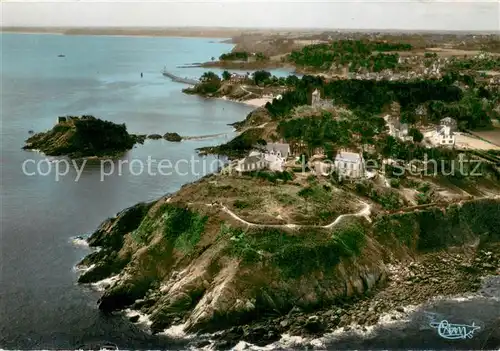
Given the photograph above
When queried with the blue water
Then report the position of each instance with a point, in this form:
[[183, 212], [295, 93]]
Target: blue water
[[41, 305]]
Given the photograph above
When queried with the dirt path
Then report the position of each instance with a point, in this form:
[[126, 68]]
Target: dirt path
[[365, 212]]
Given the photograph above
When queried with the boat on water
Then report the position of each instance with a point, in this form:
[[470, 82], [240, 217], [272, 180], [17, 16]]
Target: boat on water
[[61, 55]]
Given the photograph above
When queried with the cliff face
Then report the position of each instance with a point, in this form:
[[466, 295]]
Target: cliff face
[[192, 263], [83, 137]]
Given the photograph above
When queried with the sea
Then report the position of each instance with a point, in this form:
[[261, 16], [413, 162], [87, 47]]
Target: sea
[[46, 207]]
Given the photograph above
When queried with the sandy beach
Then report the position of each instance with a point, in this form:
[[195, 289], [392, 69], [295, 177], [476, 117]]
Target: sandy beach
[[258, 102]]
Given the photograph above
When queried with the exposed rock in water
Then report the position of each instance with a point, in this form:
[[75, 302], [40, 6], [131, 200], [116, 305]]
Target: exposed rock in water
[[134, 318], [140, 138], [154, 136], [172, 137], [84, 136]]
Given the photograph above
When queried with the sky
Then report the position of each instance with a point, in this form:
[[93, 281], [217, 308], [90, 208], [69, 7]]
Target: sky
[[355, 14]]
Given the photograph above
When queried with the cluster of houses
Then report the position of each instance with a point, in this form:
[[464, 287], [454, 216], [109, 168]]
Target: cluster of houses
[[347, 164], [443, 135], [273, 157]]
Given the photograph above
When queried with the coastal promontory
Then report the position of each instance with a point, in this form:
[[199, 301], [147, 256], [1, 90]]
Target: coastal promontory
[[279, 257], [85, 136]]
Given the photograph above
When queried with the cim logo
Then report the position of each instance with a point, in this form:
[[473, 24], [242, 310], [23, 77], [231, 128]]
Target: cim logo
[[454, 331]]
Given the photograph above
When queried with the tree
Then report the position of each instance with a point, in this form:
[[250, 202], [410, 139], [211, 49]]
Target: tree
[[416, 134], [210, 83], [261, 77], [226, 75], [208, 76]]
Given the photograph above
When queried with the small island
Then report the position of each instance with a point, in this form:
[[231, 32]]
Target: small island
[[85, 136]]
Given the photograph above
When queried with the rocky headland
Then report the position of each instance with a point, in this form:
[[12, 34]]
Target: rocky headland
[[85, 136], [198, 259]]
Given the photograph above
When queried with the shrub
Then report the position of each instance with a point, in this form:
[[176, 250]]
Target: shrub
[[395, 183], [241, 204]]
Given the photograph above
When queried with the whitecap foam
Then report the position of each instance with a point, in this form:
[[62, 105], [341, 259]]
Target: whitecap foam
[[287, 341], [82, 268], [79, 241], [102, 284], [143, 320], [177, 332]]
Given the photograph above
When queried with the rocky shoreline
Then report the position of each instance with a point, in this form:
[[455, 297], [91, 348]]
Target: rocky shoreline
[[436, 275]]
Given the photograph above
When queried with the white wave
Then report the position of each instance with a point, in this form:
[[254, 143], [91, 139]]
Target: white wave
[[79, 242], [461, 298], [102, 284], [287, 341], [177, 332], [143, 320], [83, 269]]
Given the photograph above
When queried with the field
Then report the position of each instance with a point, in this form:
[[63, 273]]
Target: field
[[493, 136]]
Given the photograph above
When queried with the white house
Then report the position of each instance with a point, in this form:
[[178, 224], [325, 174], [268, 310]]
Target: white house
[[276, 155], [349, 164], [251, 163], [444, 136], [237, 78], [279, 149]]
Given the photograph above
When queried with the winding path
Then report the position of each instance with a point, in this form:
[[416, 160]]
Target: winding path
[[365, 212]]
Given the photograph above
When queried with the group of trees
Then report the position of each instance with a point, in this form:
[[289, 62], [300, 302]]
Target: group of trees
[[472, 109], [234, 56], [471, 112], [323, 131], [485, 63], [209, 84], [353, 53], [242, 56], [368, 95]]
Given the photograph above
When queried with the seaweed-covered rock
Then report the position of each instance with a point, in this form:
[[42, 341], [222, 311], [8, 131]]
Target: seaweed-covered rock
[[172, 137]]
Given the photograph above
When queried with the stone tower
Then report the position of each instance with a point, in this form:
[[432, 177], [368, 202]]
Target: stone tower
[[315, 98]]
